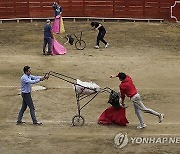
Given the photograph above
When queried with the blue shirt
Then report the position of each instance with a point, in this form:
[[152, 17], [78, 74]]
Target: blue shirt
[[57, 9], [27, 81], [47, 31]]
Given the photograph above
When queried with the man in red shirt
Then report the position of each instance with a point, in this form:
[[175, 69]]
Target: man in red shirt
[[127, 88]]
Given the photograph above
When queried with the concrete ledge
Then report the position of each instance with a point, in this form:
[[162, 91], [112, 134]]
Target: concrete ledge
[[106, 19], [84, 18]]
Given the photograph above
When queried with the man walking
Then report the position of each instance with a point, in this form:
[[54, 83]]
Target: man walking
[[48, 35], [127, 88], [26, 80]]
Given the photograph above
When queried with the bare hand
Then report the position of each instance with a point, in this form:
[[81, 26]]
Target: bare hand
[[46, 76], [41, 79], [112, 76]]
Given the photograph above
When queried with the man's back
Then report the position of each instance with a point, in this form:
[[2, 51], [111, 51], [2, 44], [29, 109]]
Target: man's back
[[127, 87], [47, 31]]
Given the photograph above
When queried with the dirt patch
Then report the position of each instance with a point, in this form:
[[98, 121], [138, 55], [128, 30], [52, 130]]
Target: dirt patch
[[149, 52]]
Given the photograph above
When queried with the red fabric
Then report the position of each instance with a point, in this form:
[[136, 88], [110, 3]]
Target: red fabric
[[111, 115], [127, 88]]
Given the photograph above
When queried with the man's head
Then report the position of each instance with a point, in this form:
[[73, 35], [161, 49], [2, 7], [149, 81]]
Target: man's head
[[27, 70], [48, 21], [92, 24], [121, 76]]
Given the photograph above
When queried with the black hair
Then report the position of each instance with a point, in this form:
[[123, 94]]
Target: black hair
[[92, 24], [25, 69], [122, 76]]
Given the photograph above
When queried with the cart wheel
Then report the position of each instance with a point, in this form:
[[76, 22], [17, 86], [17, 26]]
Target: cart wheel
[[78, 120], [80, 45]]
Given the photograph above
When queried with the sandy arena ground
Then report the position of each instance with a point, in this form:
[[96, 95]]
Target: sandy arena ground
[[149, 52]]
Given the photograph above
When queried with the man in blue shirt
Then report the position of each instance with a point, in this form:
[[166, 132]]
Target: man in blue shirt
[[48, 35], [57, 9], [26, 85]]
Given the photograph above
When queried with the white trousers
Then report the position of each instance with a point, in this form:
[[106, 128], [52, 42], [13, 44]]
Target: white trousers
[[139, 106]]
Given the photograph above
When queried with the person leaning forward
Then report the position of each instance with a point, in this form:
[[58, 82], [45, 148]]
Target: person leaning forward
[[102, 31], [26, 85], [127, 88]]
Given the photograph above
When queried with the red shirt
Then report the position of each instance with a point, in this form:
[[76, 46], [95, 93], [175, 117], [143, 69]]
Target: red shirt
[[127, 88]]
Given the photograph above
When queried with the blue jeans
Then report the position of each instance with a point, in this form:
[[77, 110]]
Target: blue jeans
[[48, 41], [27, 101]]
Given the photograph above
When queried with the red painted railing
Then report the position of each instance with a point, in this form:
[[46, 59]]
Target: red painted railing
[[145, 9]]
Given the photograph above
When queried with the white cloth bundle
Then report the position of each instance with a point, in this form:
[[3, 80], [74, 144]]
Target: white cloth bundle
[[86, 88]]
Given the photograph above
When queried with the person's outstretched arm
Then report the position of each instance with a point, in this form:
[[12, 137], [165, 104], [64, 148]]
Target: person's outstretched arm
[[113, 76]]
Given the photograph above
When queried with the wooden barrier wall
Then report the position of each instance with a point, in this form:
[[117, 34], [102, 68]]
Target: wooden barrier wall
[[145, 9]]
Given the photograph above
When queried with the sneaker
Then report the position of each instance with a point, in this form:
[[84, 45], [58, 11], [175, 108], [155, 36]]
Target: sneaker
[[37, 123], [106, 45], [96, 47], [161, 117], [141, 126], [20, 123]]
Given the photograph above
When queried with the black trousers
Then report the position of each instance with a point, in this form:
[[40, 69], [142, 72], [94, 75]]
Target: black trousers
[[100, 37], [49, 42], [27, 101]]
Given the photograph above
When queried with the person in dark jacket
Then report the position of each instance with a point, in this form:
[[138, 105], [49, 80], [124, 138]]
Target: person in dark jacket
[[102, 31], [57, 9], [48, 35]]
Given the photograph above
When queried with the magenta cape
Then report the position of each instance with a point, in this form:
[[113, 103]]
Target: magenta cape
[[57, 48], [113, 116], [56, 24]]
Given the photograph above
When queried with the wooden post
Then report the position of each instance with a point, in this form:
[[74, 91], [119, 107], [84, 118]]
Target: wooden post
[[114, 9], [28, 9], [14, 7], [41, 7], [84, 9], [143, 8]]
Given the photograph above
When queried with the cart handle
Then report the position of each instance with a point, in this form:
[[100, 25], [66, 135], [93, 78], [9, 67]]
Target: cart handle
[[60, 76]]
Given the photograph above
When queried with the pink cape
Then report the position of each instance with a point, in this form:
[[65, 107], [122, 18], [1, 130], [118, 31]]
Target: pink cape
[[111, 115], [57, 48], [56, 25]]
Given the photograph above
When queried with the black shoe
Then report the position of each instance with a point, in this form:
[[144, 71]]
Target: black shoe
[[37, 123], [20, 123], [49, 54]]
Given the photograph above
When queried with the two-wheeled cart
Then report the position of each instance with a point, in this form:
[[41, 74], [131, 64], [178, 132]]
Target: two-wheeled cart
[[79, 43], [82, 91]]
